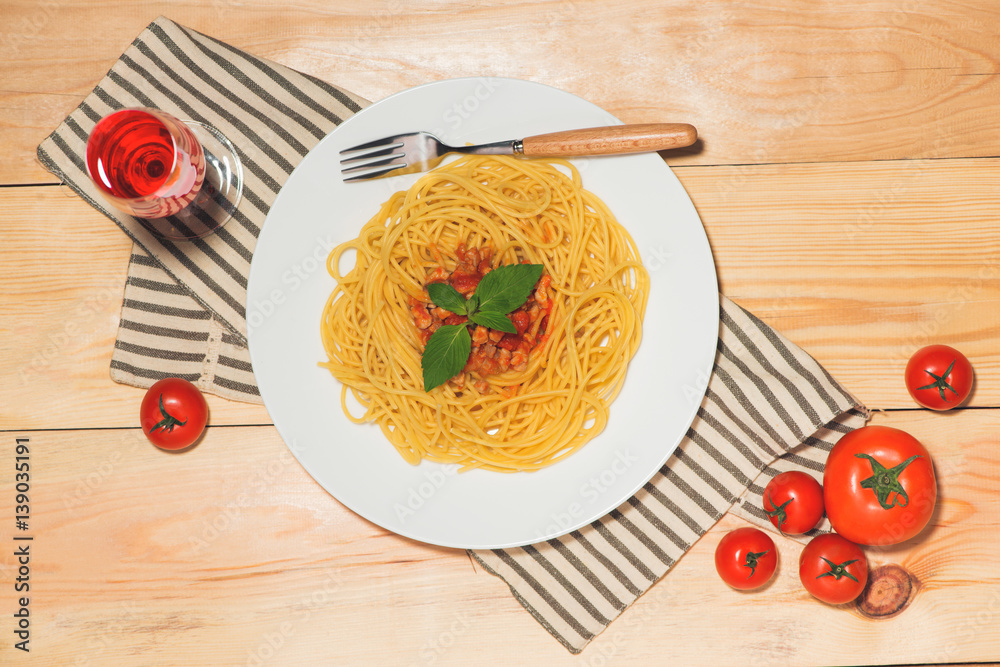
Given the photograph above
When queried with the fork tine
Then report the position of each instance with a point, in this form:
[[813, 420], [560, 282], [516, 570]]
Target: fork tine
[[373, 174], [392, 150], [392, 162], [377, 143]]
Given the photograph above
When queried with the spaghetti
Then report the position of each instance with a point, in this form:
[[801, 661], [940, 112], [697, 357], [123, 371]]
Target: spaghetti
[[511, 210]]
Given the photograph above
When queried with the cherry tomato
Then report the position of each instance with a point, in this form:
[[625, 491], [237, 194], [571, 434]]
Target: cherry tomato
[[879, 486], [173, 413], [833, 569], [746, 558], [793, 501], [938, 377]]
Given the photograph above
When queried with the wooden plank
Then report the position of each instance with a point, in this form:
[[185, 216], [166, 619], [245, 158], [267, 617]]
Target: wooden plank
[[63, 275], [230, 553], [802, 246], [764, 82], [863, 263]]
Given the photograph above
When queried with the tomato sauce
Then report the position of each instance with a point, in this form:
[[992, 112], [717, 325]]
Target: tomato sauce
[[493, 352]]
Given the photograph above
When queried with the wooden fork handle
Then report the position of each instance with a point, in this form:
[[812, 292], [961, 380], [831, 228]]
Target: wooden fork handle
[[614, 139]]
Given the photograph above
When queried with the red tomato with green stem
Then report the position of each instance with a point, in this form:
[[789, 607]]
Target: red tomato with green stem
[[879, 486], [833, 569], [939, 377], [793, 500], [746, 558], [173, 413]]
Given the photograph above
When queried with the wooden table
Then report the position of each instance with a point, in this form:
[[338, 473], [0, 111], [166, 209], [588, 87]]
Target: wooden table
[[849, 181]]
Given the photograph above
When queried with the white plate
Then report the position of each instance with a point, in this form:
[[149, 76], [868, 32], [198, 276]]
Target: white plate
[[289, 286]]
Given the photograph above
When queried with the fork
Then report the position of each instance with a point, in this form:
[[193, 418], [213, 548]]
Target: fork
[[419, 151]]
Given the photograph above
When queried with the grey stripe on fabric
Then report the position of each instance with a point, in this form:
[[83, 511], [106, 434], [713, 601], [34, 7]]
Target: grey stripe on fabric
[[561, 579], [69, 153], [672, 507], [260, 91], [169, 311], [772, 337], [606, 563], [675, 478], [804, 462], [166, 332], [709, 481], [726, 464], [144, 260], [152, 374], [236, 386], [657, 523], [193, 67], [249, 165], [844, 428], [735, 389], [731, 438], [89, 112], [746, 431], [154, 286], [757, 353], [543, 593], [230, 339], [762, 389], [587, 573], [620, 547], [642, 537], [159, 353], [238, 364], [80, 133], [289, 87]]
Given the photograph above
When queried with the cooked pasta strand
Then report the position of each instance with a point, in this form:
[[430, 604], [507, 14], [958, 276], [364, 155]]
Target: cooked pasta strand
[[532, 211]]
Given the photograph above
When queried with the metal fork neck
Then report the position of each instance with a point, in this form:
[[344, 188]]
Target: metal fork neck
[[497, 148]]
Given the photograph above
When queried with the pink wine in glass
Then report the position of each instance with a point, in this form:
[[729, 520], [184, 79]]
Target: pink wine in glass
[[147, 163]]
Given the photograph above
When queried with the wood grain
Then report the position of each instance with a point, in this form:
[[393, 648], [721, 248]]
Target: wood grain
[[617, 139], [804, 247], [211, 557], [863, 263], [764, 82], [63, 276], [845, 179]]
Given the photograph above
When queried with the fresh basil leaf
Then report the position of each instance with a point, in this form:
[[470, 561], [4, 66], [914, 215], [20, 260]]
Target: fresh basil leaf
[[445, 354], [506, 287], [447, 297], [472, 305], [493, 320]]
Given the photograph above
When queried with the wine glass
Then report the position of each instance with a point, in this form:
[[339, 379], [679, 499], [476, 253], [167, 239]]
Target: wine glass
[[181, 178]]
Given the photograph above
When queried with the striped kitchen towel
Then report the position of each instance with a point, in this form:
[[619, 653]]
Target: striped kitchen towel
[[183, 313], [769, 406]]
